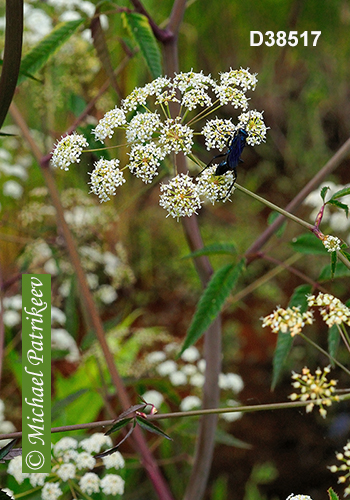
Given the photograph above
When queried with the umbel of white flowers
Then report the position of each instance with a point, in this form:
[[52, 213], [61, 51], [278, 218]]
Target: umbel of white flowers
[[153, 134]]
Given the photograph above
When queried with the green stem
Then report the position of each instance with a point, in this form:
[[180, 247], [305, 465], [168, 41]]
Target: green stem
[[324, 352], [276, 208]]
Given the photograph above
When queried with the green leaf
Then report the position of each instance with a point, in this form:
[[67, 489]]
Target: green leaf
[[299, 297], [212, 300], [112, 450], [332, 494], [148, 426], [6, 449], [342, 192], [333, 340], [339, 205], [324, 192], [284, 344], [308, 244], [223, 437], [63, 403], [41, 53], [119, 425], [141, 31], [4, 495], [334, 258], [341, 272], [216, 248], [346, 255]]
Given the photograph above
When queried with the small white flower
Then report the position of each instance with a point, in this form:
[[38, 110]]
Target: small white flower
[[142, 127], [95, 442], [64, 444], [51, 491], [191, 354], [180, 197], [253, 123], [68, 150], [12, 189], [215, 187], [332, 243], [138, 97], [155, 357], [107, 294], [189, 370], [85, 460], [15, 469], [111, 120], [66, 471], [166, 367], [37, 478], [105, 178], [233, 415], [197, 380], [190, 403], [153, 397], [217, 133], [178, 378], [112, 484], [144, 161], [114, 460], [90, 483], [11, 318], [231, 381], [176, 137]]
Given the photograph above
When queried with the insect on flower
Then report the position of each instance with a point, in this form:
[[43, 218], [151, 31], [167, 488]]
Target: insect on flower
[[235, 146]]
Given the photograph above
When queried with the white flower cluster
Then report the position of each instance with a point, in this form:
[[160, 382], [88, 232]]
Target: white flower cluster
[[332, 310], [189, 371], [332, 243], [68, 462], [105, 178], [68, 150], [154, 135]]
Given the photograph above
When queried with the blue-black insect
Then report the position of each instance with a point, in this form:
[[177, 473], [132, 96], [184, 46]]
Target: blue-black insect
[[235, 146]]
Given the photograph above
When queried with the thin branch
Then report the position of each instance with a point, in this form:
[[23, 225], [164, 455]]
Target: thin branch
[[330, 166], [91, 315]]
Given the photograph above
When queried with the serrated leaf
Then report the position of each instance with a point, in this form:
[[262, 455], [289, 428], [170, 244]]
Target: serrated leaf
[[148, 426], [284, 344], [299, 297], [308, 244], [212, 300], [4, 495], [332, 494], [333, 340], [216, 248], [324, 192], [142, 33], [119, 425], [342, 192], [338, 204], [41, 53]]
